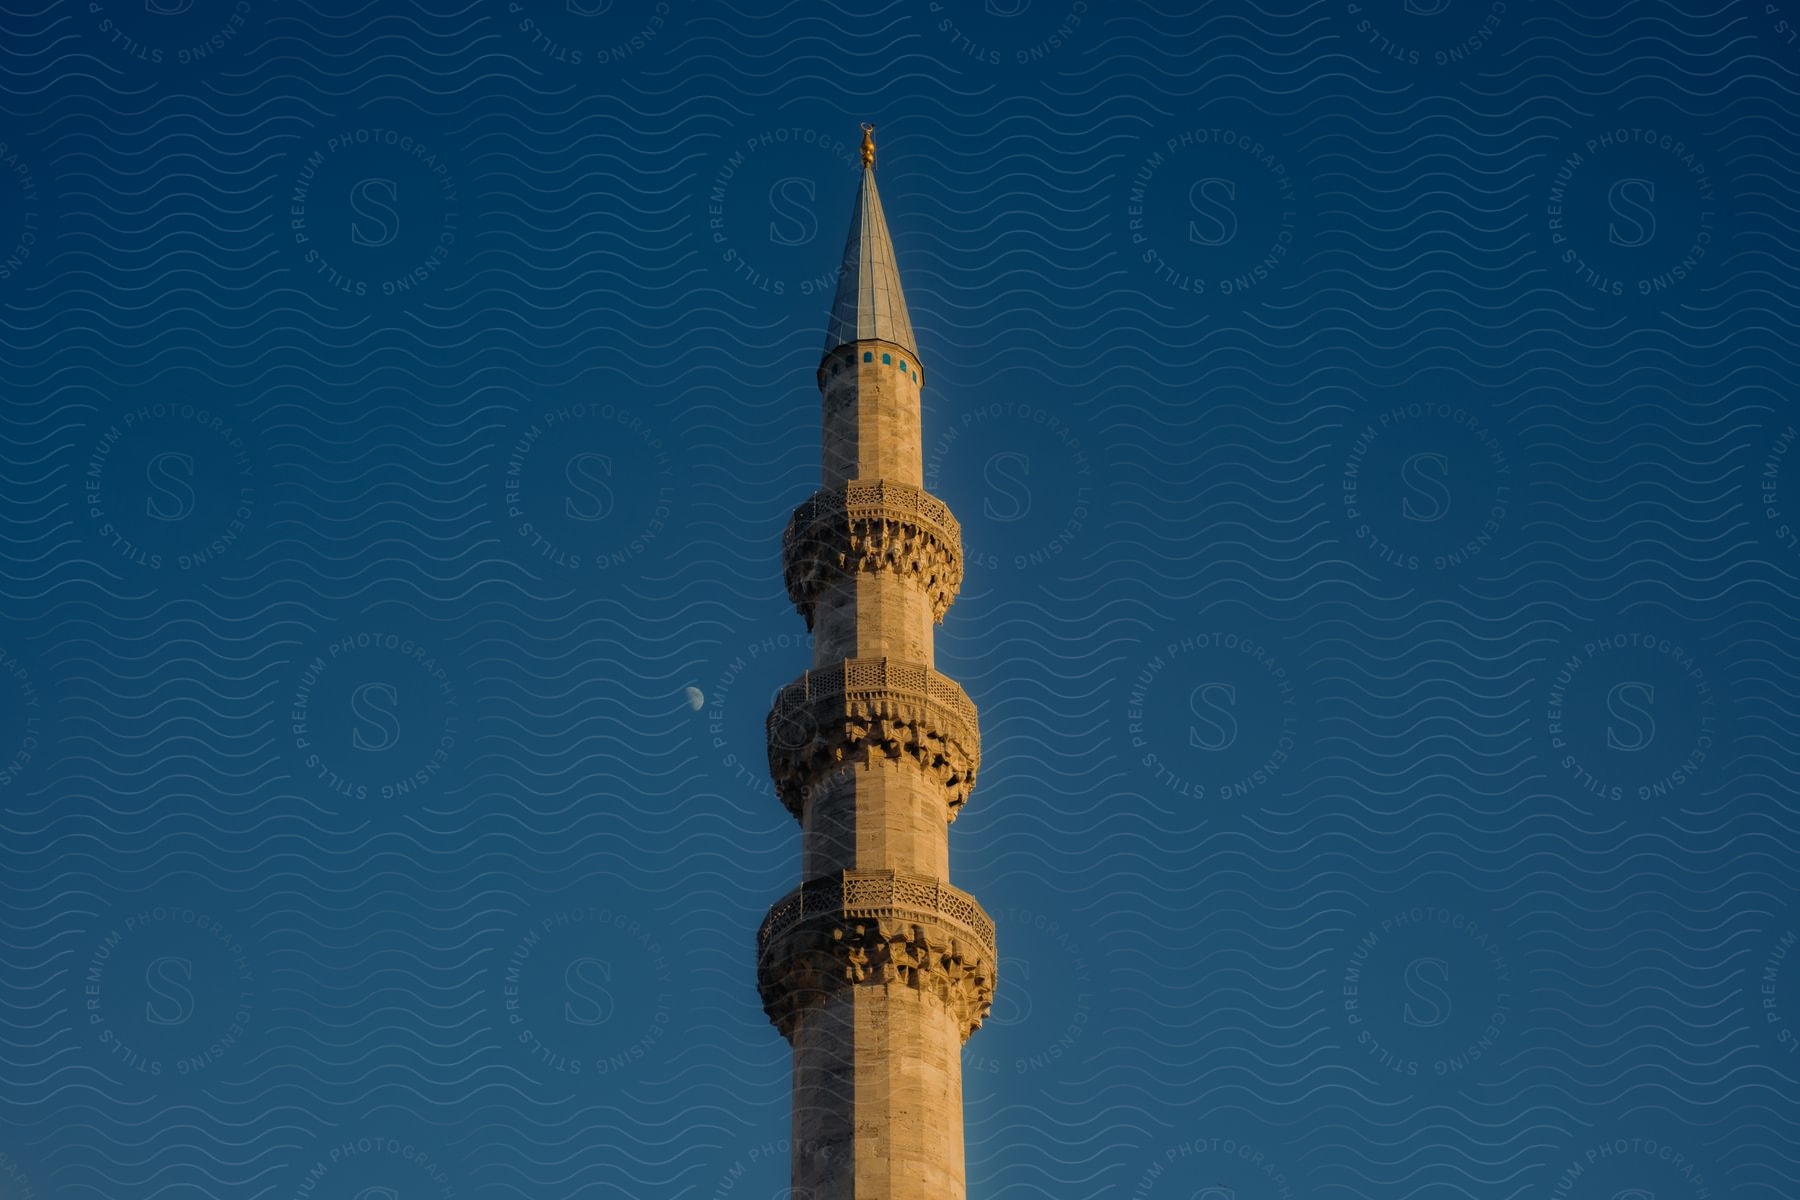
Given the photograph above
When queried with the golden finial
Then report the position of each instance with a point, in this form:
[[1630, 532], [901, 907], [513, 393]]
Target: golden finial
[[868, 146]]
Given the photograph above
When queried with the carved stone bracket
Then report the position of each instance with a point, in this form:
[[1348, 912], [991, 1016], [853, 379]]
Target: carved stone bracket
[[866, 706], [872, 526], [876, 929]]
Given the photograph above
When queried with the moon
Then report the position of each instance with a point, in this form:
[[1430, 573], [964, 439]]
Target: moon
[[696, 698]]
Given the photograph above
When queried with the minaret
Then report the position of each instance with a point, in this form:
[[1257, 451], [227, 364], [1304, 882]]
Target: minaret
[[875, 969]]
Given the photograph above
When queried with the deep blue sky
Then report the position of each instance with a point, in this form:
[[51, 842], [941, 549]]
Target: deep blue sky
[[1372, 427]]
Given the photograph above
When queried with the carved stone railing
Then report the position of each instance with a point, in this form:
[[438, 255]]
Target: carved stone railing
[[875, 893], [866, 706], [872, 526], [876, 928]]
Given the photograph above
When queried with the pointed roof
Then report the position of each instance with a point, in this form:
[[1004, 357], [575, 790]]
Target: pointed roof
[[869, 301]]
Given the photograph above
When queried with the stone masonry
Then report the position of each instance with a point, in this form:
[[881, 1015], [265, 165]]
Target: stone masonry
[[875, 969]]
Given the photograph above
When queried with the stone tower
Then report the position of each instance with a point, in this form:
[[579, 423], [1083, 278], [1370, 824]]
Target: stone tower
[[875, 969]]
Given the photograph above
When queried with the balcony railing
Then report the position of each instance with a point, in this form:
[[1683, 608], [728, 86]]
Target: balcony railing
[[871, 501], [858, 678], [872, 894]]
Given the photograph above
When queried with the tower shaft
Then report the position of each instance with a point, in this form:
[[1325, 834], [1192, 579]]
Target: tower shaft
[[875, 969]]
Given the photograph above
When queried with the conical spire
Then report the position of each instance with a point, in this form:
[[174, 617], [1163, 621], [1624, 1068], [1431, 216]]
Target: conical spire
[[869, 301]]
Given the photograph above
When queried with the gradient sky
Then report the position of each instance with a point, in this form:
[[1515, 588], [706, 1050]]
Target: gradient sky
[[1373, 431]]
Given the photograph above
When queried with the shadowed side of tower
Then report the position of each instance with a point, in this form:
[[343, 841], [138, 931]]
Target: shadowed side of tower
[[875, 969]]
